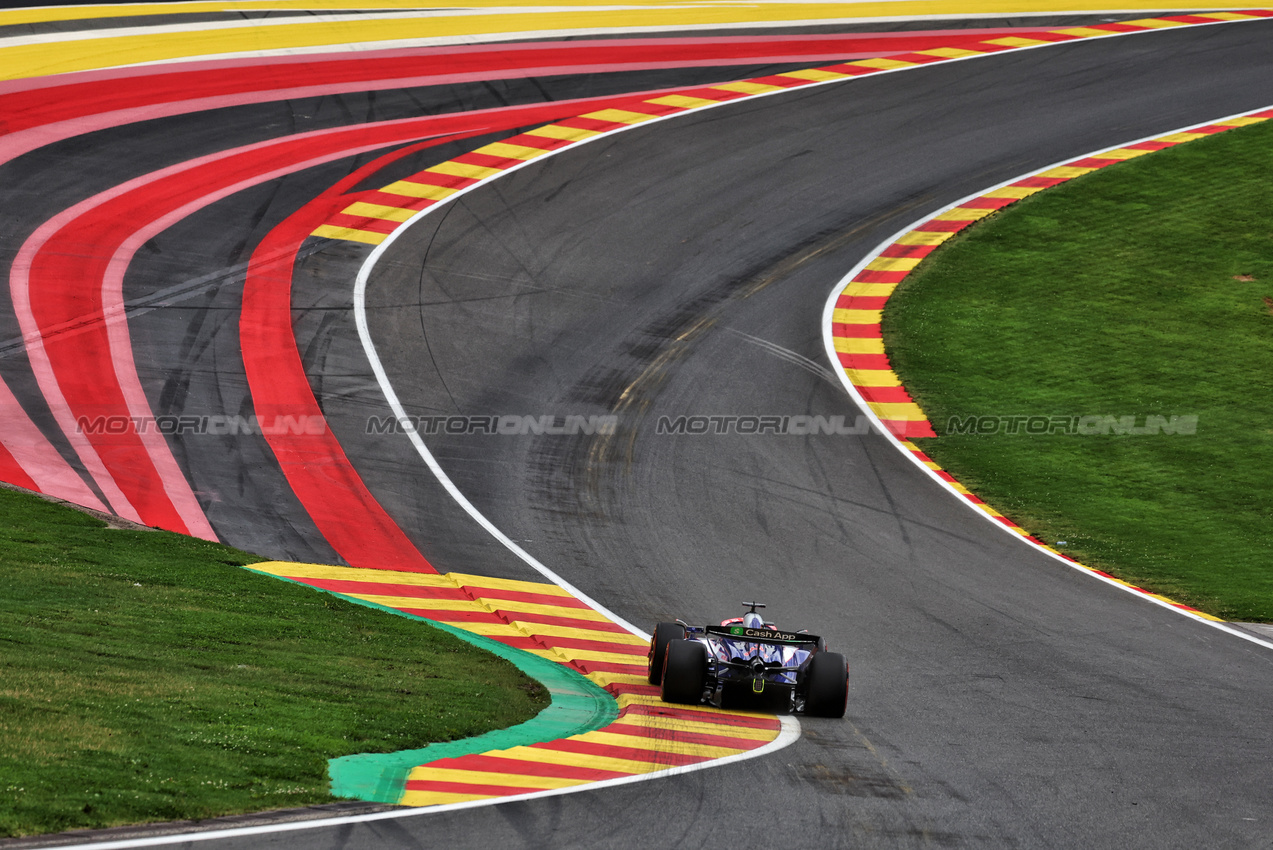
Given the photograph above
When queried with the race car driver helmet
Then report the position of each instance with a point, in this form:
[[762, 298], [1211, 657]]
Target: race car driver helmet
[[752, 620]]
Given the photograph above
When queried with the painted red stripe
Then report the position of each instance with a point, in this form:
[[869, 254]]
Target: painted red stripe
[[710, 715], [908, 428], [485, 160], [521, 767], [448, 616], [30, 103], [626, 689], [986, 203], [370, 225], [12, 472], [569, 745], [856, 331], [387, 589], [899, 250], [549, 619], [888, 395], [594, 645], [389, 199], [861, 302], [525, 596], [469, 788], [437, 178], [596, 125], [863, 361], [682, 736], [610, 667], [873, 276]]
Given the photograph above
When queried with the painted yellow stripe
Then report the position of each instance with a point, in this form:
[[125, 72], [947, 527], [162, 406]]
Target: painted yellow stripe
[[924, 237], [606, 679], [472, 24], [858, 345], [950, 52], [510, 151], [546, 756], [1242, 121], [349, 234], [815, 75], [547, 629], [1155, 23], [596, 655], [873, 377], [514, 605], [626, 700], [490, 630], [1226, 16], [662, 745], [745, 87], [1121, 154], [673, 724], [291, 569], [439, 798], [1177, 138], [1014, 41], [386, 213], [964, 214], [881, 64], [480, 777], [412, 189], [1066, 172], [1083, 32], [477, 583], [417, 602], [893, 264], [682, 101], [463, 169], [856, 317], [1012, 192], [904, 411], [873, 290], [569, 134], [619, 116]]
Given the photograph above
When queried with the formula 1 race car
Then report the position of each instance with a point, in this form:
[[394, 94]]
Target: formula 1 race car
[[746, 662]]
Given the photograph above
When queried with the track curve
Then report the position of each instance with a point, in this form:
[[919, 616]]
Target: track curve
[[997, 699]]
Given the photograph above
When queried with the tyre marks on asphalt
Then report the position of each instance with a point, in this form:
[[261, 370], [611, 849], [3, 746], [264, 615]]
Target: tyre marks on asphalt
[[853, 326], [543, 619]]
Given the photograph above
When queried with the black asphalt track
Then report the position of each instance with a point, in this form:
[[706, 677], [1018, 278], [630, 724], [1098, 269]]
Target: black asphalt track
[[998, 698]]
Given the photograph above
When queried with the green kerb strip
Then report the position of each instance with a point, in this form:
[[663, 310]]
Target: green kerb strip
[[577, 706]]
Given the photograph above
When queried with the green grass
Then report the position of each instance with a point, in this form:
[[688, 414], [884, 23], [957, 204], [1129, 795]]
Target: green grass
[[145, 676], [1142, 289]]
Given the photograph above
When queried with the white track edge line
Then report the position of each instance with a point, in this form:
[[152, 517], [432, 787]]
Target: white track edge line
[[789, 734], [790, 727], [828, 339]]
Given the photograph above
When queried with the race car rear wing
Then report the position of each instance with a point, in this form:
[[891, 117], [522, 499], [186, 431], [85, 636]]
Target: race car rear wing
[[761, 635]]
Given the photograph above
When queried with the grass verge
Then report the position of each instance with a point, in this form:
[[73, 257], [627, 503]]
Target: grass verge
[[144, 677], [1142, 289]]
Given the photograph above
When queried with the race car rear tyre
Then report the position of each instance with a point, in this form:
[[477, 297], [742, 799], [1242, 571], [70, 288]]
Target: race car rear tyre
[[828, 690], [684, 672], [663, 633]]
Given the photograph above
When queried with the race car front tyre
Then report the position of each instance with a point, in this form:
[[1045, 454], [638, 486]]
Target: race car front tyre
[[828, 691], [684, 672], [663, 633]]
